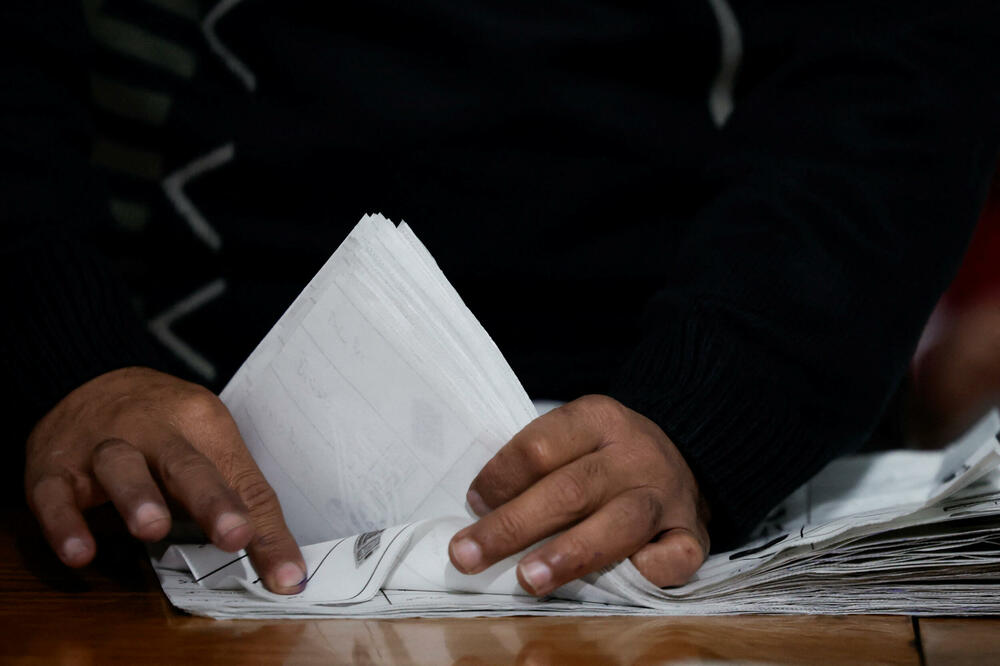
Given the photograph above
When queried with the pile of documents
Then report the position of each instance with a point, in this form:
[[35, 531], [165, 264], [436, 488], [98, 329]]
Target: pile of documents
[[375, 400]]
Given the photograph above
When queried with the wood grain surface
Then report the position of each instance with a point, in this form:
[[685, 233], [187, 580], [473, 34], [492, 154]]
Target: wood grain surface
[[114, 613], [959, 641]]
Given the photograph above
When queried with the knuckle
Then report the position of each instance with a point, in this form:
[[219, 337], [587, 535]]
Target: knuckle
[[642, 464], [176, 465], [256, 493], [505, 530], [537, 453], [213, 501], [201, 405], [37, 492], [32, 495], [571, 490], [266, 541], [48, 488], [592, 402], [576, 554], [228, 462], [114, 450], [60, 513], [608, 414]]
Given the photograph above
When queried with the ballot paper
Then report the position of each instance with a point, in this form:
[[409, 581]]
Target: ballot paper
[[377, 397]]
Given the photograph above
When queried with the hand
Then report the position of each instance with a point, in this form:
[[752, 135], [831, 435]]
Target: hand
[[110, 437], [608, 476]]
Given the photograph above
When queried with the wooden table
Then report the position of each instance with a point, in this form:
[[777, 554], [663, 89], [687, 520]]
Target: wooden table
[[113, 612]]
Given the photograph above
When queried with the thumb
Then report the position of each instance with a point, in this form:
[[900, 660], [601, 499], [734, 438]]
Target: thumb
[[672, 558]]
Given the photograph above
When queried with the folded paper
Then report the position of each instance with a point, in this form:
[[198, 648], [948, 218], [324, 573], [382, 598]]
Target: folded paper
[[377, 397]]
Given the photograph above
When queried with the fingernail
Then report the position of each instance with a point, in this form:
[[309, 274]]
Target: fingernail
[[476, 503], [289, 575], [149, 513], [74, 549], [228, 522], [537, 574], [467, 554]]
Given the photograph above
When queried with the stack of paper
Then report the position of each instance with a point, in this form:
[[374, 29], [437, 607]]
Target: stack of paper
[[376, 399], [377, 396]]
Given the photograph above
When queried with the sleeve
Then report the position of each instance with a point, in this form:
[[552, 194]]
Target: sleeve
[[66, 318], [846, 189]]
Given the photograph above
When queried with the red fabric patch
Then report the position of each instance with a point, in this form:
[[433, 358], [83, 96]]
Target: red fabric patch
[[979, 277]]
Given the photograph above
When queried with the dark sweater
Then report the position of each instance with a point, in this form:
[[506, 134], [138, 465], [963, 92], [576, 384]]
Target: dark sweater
[[755, 286]]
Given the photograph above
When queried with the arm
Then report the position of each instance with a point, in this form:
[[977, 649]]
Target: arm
[[66, 319], [846, 188], [847, 192], [100, 430]]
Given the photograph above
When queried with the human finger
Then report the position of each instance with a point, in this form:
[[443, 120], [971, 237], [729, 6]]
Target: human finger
[[272, 549], [212, 431], [53, 502], [124, 475], [560, 499], [615, 531], [194, 481], [672, 558], [544, 445]]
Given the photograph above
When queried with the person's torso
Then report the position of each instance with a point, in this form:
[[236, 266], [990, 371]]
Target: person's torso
[[548, 154]]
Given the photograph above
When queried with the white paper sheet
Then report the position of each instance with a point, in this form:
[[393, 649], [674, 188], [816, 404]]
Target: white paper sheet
[[377, 397]]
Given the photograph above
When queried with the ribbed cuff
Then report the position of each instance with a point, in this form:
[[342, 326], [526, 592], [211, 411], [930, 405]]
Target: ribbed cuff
[[68, 320], [734, 413]]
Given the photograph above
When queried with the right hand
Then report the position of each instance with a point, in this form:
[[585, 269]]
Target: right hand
[[608, 476], [109, 439]]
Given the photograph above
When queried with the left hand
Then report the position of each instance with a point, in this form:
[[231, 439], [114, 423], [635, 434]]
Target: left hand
[[609, 477]]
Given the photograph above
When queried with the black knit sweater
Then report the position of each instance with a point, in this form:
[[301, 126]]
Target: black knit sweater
[[743, 246]]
